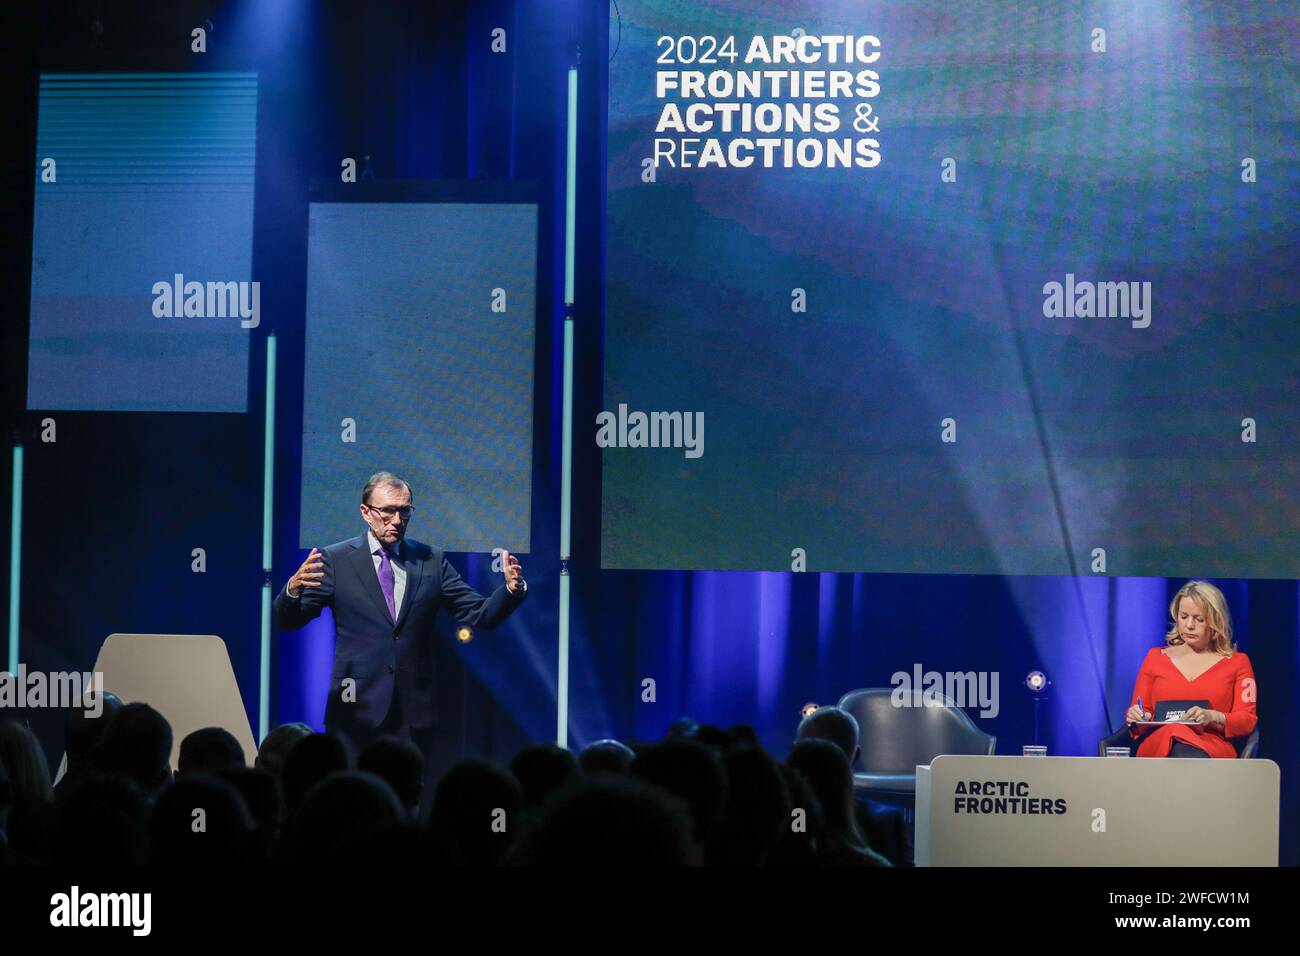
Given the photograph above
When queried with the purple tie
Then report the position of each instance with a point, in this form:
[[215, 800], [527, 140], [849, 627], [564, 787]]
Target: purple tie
[[386, 580]]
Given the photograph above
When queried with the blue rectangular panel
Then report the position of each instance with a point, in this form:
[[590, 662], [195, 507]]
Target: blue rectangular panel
[[152, 178], [420, 346]]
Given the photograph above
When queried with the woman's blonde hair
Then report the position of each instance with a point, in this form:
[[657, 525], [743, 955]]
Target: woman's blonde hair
[[1214, 606]]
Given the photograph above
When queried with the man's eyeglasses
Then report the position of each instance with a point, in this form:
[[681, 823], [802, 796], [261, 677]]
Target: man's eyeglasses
[[388, 512]]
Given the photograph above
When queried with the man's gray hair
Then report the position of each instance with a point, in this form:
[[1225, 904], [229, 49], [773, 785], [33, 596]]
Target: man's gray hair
[[384, 478]]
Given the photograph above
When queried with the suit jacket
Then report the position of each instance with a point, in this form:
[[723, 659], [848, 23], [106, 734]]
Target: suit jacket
[[375, 652]]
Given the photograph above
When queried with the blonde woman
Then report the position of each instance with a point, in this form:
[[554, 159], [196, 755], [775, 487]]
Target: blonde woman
[[1198, 662]]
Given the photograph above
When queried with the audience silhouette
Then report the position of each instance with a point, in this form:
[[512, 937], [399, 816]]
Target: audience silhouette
[[701, 796]]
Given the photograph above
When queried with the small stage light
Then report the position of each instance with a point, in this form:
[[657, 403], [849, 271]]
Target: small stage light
[[464, 634], [1037, 683], [809, 708]]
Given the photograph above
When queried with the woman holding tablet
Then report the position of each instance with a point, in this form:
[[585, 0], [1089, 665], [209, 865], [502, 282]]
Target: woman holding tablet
[[1199, 663]]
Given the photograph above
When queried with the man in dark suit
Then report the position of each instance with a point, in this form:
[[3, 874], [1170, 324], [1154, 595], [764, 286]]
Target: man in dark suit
[[385, 592]]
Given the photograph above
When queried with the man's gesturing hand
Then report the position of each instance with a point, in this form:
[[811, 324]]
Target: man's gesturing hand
[[513, 572], [308, 575]]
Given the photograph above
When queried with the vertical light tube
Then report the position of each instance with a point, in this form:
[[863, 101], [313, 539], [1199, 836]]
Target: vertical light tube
[[15, 556], [566, 453], [570, 190], [268, 502], [566, 491]]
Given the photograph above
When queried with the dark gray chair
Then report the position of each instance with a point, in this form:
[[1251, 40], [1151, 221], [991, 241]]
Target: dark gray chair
[[894, 740], [1247, 747]]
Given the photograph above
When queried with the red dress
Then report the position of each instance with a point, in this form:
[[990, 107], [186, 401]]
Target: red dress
[[1229, 686]]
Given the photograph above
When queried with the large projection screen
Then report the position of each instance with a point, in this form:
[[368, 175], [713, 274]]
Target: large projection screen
[[142, 293], [419, 360], [1021, 297]]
